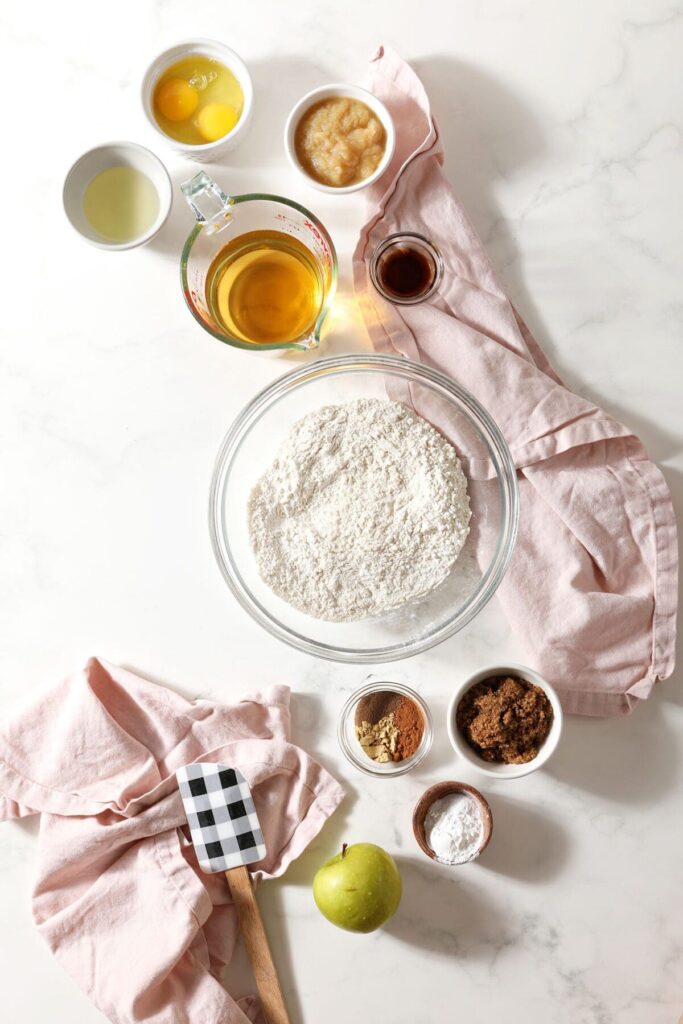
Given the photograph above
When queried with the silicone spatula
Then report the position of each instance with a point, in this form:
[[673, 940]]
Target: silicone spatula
[[226, 835]]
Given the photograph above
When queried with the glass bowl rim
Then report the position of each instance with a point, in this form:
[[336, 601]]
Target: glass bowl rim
[[366, 765], [375, 363]]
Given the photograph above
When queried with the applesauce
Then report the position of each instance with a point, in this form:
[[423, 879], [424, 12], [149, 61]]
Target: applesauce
[[340, 141]]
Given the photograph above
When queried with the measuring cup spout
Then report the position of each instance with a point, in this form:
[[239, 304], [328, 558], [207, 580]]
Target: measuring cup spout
[[209, 203]]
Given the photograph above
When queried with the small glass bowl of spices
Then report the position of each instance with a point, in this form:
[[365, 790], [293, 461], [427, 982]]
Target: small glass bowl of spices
[[505, 721], [406, 268], [452, 823], [385, 729]]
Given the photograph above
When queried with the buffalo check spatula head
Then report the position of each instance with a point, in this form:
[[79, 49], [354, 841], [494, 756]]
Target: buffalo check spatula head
[[220, 811]]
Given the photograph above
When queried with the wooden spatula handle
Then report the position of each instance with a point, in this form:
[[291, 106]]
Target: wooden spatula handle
[[256, 941]]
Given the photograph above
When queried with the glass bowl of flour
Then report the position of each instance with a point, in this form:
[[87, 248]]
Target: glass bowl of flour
[[363, 508]]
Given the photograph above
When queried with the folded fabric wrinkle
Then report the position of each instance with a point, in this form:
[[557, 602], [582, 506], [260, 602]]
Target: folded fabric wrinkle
[[119, 897], [592, 586]]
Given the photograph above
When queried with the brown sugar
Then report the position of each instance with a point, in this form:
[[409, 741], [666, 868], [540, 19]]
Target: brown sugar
[[505, 719]]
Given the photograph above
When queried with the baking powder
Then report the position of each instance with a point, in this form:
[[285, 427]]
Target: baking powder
[[454, 828]]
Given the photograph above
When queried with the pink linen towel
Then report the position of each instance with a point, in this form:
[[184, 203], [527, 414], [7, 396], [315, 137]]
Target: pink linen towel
[[592, 586], [119, 898]]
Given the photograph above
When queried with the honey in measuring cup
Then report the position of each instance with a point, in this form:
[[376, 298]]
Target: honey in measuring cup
[[264, 287], [257, 270]]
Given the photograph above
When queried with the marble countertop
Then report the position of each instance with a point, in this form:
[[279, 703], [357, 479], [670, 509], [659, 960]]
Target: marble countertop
[[563, 137]]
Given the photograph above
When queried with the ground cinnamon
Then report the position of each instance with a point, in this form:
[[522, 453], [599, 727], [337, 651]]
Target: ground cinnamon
[[505, 719], [389, 726], [408, 721]]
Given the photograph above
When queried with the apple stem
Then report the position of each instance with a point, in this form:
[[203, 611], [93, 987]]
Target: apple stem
[[344, 846]]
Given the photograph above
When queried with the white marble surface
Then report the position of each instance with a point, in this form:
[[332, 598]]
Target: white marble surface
[[563, 133]]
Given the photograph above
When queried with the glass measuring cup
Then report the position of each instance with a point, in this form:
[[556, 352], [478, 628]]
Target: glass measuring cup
[[222, 219]]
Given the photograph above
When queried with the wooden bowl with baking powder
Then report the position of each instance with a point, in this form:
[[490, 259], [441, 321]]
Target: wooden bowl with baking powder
[[435, 793]]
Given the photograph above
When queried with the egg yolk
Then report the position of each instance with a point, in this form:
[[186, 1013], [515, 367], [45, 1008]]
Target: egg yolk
[[176, 99], [215, 120]]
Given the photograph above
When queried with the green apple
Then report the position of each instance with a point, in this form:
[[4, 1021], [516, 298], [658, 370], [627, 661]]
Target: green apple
[[359, 889]]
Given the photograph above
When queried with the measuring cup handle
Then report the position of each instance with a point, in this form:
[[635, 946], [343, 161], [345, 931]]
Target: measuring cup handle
[[209, 203]]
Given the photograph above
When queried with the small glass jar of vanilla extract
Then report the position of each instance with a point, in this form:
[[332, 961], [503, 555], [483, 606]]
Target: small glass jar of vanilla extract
[[406, 268]]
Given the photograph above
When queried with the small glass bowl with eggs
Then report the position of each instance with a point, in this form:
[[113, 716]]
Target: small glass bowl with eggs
[[198, 96]]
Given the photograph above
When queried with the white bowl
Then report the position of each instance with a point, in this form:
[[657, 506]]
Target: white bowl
[[207, 151], [505, 771], [92, 163], [324, 92]]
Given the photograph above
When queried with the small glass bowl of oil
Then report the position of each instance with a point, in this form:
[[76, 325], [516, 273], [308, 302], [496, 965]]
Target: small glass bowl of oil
[[118, 195], [198, 95]]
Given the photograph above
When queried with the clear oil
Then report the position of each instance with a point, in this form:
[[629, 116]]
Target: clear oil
[[265, 287]]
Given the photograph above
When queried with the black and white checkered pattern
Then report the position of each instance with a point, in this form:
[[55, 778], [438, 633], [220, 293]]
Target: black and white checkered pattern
[[220, 811]]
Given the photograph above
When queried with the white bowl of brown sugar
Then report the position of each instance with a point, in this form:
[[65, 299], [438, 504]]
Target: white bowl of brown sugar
[[505, 720]]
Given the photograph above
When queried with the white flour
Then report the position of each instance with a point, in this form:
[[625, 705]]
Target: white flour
[[364, 508], [454, 828]]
